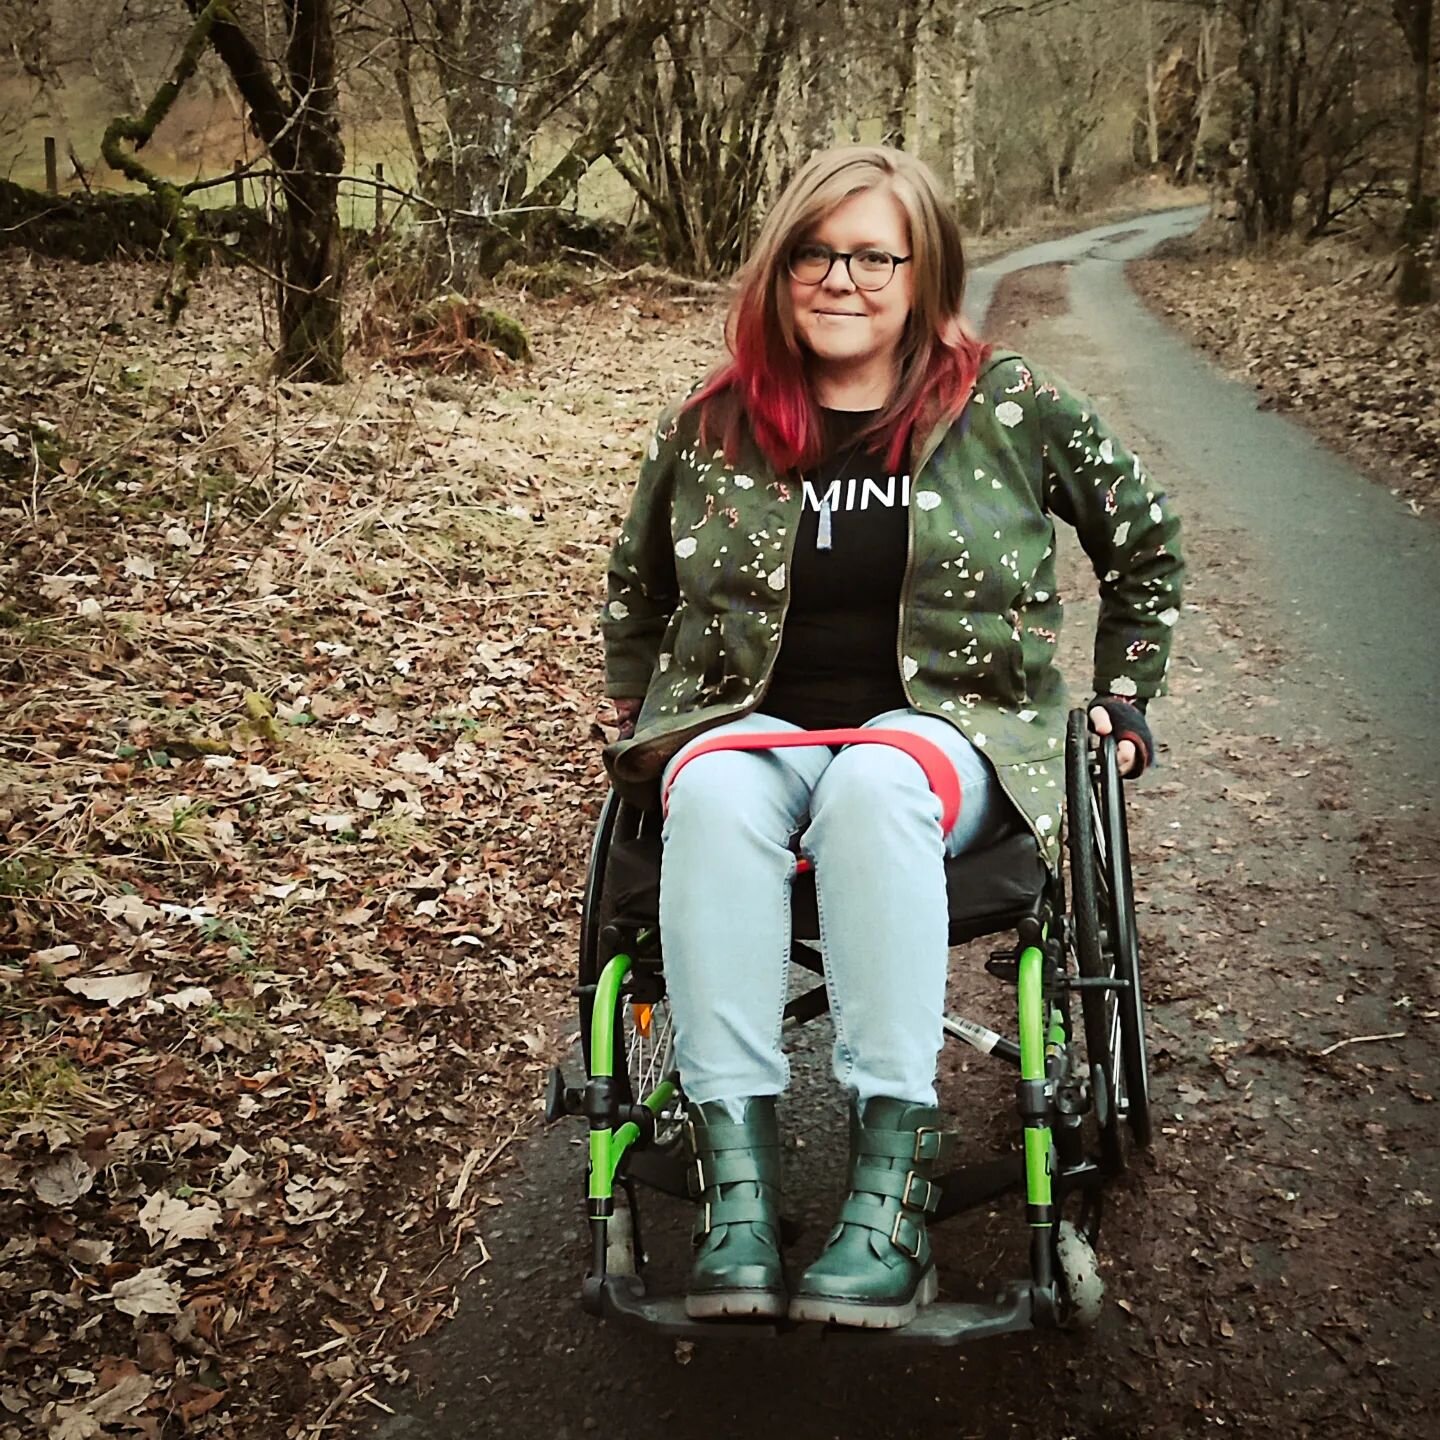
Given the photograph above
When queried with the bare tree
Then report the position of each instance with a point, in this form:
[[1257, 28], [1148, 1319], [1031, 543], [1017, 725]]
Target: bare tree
[[695, 151], [478, 50], [1416, 19], [1321, 115], [296, 114]]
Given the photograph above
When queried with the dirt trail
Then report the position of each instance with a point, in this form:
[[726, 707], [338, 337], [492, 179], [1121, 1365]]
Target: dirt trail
[[1271, 1266]]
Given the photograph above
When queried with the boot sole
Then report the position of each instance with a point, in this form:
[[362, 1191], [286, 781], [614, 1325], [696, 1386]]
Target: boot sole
[[862, 1315], [737, 1305]]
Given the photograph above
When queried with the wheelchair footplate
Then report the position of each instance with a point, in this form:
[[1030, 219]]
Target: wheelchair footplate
[[945, 1322]]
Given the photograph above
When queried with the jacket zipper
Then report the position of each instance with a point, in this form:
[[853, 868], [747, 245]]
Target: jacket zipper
[[792, 540], [932, 444]]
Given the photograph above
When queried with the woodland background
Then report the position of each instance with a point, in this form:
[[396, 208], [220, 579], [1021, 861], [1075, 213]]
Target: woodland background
[[303, 503]]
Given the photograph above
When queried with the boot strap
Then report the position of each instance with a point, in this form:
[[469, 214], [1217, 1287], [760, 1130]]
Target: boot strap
[[730, 1167], [710, 1139], [909, 1187], [904, 1232], [735, 1210], [926, 1143]]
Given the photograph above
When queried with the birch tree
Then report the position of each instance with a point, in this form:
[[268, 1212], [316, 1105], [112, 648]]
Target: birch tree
[[479, 56]]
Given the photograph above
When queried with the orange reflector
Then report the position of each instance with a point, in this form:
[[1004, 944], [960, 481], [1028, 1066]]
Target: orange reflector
[[643, 1015]]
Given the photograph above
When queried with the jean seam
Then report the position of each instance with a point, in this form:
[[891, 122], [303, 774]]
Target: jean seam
[[836, 1011], [787, 929]]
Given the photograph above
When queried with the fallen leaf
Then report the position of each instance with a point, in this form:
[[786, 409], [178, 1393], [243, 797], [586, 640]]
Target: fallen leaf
[[146, 1293], [63, 1181], [188, 998], [174, 1221], [112, 989], [129, 908], [54, 955]]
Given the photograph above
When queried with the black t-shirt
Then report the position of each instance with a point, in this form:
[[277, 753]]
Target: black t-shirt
[[838, 663]]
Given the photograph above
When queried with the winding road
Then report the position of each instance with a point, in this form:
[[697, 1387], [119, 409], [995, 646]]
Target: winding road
[[1269, 1267]]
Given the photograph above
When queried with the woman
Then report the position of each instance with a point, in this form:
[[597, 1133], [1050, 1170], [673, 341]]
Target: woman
[[848, 524]]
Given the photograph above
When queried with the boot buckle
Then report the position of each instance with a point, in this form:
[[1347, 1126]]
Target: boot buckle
[[703, 1226], [917, 1200], [929, 1140], [903, 1222]]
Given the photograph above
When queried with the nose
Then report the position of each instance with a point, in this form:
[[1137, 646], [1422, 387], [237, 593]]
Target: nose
[[837, 278]]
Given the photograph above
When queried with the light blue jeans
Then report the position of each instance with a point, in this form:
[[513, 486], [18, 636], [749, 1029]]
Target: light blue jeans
[[870, 825]]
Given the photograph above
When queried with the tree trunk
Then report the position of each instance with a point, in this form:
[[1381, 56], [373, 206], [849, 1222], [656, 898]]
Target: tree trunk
[[902, 72], [1206, 78], [302, 134], [822, 83], [400, 73], [1152, 120], [1271, 62], [312, 259], [965, 61], [480, 57], [1416, 18]]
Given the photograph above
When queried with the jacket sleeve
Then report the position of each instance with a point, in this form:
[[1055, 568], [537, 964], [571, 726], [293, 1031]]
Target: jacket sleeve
[[1129, 531], [641, 589]]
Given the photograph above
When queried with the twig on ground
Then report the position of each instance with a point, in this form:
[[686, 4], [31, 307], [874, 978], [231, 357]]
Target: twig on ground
[[1362, 1040]]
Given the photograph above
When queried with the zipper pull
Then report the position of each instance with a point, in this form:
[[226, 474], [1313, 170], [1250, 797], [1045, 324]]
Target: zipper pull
[[822, 530]]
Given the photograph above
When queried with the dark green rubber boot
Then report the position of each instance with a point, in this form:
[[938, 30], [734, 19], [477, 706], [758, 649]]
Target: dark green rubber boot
[[876, 1270], [737, 1269]]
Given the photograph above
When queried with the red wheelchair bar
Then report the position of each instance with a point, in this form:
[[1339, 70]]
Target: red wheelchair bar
[[939, 772]]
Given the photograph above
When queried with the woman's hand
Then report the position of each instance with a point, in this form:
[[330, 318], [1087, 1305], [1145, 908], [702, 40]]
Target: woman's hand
[[627, 712], [1134, 752]]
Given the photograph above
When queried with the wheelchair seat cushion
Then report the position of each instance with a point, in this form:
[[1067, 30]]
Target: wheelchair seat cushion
[[987, 890]]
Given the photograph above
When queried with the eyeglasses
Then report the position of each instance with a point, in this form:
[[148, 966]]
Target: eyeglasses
[[869, 269]]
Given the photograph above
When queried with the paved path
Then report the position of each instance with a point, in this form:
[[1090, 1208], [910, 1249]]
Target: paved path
[[1357, 574]]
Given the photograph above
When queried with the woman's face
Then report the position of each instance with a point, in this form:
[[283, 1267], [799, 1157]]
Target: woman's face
[[844, 327]]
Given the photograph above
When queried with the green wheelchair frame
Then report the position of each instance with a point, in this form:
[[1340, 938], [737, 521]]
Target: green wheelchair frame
[[1079, 1090]]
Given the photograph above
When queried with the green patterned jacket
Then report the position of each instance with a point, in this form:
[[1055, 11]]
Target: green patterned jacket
[[698, 585]]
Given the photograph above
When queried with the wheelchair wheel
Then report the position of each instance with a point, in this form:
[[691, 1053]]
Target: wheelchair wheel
[[644, 1027], [1089, 902], [1125, 941]]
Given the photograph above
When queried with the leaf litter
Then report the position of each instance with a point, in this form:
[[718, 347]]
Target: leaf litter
[[297, 769]]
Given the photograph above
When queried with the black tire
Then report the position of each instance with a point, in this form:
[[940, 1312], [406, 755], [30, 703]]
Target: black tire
[[645, 1043], [1125, 940], [1089, 900], [593, 916]]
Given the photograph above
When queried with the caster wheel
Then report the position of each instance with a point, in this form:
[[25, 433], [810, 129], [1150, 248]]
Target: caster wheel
[[1082, 1291]]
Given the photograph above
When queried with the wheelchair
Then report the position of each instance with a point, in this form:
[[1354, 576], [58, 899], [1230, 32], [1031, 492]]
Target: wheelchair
[[1082, 1095]]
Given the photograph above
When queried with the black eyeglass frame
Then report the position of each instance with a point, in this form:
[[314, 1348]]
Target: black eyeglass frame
[[896, 261]]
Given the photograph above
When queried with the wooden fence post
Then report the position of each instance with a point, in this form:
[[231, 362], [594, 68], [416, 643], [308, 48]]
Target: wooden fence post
[[379, 196], [52, 174]]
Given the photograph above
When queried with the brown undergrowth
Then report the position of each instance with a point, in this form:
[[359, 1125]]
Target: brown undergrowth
[[296, 765]]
